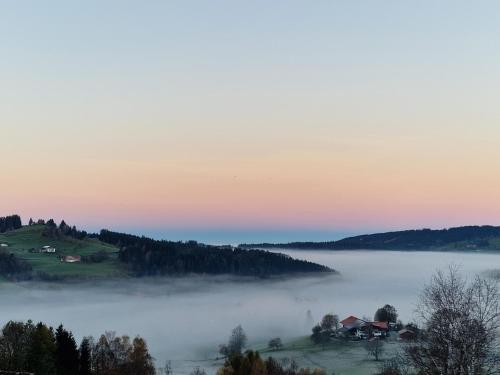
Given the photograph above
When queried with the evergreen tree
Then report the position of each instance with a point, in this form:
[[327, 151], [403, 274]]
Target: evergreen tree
[[146, 256], [41, 355], [38, 350], [12, 222], [85, 367], [67, 357]]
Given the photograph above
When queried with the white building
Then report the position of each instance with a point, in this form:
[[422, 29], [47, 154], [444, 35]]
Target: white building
[[48, 249]]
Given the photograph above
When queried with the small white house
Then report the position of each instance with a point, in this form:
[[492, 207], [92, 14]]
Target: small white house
[[44, 249], [3, 245], [48, 249]]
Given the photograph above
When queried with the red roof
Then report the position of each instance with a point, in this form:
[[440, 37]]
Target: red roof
[[349, 320], [380, 325]]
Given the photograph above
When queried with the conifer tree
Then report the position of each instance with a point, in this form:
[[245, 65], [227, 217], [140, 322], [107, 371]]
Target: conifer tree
[[67, 356]]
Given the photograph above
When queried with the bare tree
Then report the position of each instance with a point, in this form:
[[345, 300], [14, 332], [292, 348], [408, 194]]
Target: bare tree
[[397, 365], [461, 319], [375, 348], [237, 342], [336, 322], [166, 370], [198, 371], [387, 313]]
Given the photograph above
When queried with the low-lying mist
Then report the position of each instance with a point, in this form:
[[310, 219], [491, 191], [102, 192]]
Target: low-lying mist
[[185, 319]]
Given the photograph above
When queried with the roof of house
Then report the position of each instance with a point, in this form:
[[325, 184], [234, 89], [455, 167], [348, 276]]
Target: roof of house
[[349, 320], [72, 257], [380, 325], [352, 322], [405, 331]]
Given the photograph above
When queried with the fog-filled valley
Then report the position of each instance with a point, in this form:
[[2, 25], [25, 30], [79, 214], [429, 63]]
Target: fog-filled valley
[[185, 319]]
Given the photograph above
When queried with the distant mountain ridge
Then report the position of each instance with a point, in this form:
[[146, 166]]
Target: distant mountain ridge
[[485, 237]]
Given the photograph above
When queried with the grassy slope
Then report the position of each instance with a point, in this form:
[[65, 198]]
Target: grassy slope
[[340, 357], [21, 240], [464, 246]]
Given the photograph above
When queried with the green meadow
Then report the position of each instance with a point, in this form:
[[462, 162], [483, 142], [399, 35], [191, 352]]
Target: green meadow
[[340, 357], [21, 241]]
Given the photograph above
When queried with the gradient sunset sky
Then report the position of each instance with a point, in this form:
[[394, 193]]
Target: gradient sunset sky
[[251, 120]]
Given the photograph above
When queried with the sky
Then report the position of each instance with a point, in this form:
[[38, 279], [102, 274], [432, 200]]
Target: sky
[[251, 120]]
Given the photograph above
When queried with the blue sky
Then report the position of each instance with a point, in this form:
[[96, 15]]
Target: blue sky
[[281, 117]]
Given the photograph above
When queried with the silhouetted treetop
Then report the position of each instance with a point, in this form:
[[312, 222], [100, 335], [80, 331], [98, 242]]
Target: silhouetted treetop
[[11, 222]]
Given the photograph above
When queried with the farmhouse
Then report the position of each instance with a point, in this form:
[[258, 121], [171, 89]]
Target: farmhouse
[[407, 334], [71, 258], [361, 329], [44, 250], [4, 245], [352, 322]]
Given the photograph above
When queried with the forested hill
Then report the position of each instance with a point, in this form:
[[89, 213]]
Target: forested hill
[[460, 238], [145, 256], [44, 250]]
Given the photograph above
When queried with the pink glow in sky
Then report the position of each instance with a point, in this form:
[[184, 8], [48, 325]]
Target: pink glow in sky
[[316, 116]]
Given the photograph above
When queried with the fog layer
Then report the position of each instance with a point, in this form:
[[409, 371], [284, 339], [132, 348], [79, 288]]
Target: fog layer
[[184, 319]]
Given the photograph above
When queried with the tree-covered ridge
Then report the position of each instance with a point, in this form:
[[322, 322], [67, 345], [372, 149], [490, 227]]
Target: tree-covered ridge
[[52, 230], [469, 237], [42, 350], [11, 222], [111, 254], [146, 256]]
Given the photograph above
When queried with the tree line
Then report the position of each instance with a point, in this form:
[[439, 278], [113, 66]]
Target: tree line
[[39, 349], [250, 362], [11, 222], [52, 230], [422, 239], [146, 256]]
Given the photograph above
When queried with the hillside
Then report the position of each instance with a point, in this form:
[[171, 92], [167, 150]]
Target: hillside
[[460, 238], [112, 254], [49, 266], [146, 256]]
